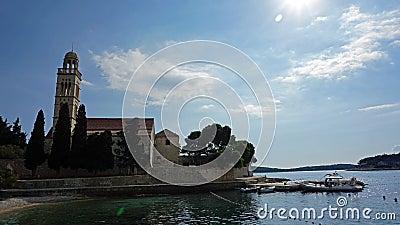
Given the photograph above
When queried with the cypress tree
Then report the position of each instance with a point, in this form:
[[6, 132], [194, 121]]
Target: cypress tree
[[60, 148], [79, 140], [89, 153], [107, 156], [98, 154], [35, 155]]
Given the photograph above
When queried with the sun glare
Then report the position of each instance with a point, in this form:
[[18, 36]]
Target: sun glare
[[297, 5]]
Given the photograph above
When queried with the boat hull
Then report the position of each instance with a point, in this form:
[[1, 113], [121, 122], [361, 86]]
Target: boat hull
[[265, 190], [322, 188]]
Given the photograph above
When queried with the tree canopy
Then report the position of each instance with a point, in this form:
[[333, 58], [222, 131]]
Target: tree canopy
[[99, 149], [124, 158], [35, 155], [12, 134], [212, 141], [78, 157], [391, 161], [60, 148]]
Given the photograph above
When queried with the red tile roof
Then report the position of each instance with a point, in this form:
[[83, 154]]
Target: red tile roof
[[113, 124]]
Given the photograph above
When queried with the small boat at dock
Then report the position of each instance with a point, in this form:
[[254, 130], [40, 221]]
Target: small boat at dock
[[263, 190], [248, 190], [333, 183]]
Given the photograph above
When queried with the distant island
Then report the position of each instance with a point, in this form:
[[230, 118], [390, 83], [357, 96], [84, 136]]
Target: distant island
[[307, 168], [380, 162]]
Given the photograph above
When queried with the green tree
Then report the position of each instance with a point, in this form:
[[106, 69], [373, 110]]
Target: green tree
[[196, 146], [124, 158], [8, 178], [35, 155], [12, 135], [248, 154], [99, 149], [11, 152], [17, 136], [79, 140], [90, 152], [5, 132], [61, 140], [212, 141]]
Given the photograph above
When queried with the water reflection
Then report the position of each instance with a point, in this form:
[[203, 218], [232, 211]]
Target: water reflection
[[208, 209]]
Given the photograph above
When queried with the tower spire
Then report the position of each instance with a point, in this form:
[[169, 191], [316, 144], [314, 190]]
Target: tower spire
[[72, 46]]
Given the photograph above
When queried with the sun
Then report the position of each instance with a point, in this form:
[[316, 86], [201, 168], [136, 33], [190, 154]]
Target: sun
[[298, 5]]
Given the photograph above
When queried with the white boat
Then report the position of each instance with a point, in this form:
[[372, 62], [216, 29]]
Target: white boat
[[249, 190], [262, 190], [333, 183]]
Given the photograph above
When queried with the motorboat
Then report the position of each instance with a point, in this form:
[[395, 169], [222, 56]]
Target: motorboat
[[248, 190], [333, 183], [262, 190]]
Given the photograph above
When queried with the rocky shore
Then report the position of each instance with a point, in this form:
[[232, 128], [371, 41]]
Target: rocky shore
[[10, 204]]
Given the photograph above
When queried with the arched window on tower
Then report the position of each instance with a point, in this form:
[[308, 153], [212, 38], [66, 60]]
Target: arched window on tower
[[65, 89], [61, 91], [69, 88]]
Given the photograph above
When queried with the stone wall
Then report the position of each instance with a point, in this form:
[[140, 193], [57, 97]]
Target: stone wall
[[110, 181], [138, 175], [235, 173], [126, 190], [17, 165], [87, 182]]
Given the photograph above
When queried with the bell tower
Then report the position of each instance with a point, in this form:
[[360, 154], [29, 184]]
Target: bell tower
[[68, 87]]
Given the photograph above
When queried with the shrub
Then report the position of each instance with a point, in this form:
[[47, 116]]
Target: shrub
[[11, 152], [8, 179]]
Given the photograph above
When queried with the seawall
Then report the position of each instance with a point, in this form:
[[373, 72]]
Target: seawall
[[123, 190]]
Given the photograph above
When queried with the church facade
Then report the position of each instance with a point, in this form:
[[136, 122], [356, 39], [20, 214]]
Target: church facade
[[68, 88]]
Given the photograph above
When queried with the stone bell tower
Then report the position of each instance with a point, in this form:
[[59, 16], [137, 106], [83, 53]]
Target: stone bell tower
[[68, 87]]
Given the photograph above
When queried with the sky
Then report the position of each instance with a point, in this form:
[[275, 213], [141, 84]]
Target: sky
[[331, 67]]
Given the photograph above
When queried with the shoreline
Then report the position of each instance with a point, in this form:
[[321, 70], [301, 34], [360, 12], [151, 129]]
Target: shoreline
[[18, 207], [119, 190], [373, 169], [16, 203]]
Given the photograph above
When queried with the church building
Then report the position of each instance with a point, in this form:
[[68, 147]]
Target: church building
[[68, 88]]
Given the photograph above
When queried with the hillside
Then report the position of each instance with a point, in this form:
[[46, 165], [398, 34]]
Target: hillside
[[380, 162], [306, 168]]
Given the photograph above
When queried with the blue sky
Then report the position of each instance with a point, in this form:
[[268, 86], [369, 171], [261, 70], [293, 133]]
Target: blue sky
[[332, 65]]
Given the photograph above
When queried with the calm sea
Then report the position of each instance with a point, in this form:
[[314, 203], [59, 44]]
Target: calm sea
[[230, 207]]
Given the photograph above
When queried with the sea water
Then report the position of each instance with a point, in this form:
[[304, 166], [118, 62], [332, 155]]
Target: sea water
[[231, 207]]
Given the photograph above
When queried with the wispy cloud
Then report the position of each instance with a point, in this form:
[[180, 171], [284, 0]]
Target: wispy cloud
[[157, 86], [321, 18], [118, 66], [87, 83], [364, 34], [395, 43], [379, 107], [254, 110], [209, 106]]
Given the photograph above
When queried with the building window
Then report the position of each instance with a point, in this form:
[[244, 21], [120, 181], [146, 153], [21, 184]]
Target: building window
[[167, 142]]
